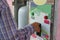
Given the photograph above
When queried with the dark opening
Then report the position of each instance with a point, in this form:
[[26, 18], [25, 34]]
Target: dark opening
[[0, 13]]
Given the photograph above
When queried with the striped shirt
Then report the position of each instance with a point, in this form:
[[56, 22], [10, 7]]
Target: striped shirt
[[8, 27]]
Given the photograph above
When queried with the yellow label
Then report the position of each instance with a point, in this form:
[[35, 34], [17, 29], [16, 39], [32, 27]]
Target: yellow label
[[39, 2]]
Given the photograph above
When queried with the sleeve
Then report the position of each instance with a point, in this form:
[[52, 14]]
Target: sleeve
[[24, 34]]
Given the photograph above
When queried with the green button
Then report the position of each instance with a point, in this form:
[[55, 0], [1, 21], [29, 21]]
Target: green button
[[45, 39], [32, 14]]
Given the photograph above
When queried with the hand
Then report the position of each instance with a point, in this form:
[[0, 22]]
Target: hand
[[36, 26]]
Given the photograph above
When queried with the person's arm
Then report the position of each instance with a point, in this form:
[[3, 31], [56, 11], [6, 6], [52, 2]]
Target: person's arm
[[24, 34]]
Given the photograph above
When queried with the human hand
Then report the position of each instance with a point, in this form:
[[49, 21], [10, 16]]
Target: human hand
[[36, 26]]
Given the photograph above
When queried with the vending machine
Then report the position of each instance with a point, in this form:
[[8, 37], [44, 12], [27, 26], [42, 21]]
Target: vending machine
[[42, 11]]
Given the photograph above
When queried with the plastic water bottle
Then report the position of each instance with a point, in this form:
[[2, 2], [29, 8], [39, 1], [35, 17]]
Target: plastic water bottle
[[23, 16]]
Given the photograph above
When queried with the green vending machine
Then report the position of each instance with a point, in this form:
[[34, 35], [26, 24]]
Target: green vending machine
[[42, 12]]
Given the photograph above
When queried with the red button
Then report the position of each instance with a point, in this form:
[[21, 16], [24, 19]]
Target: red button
[[33, 35], [47, 36], [46, 21], [45, 17]]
